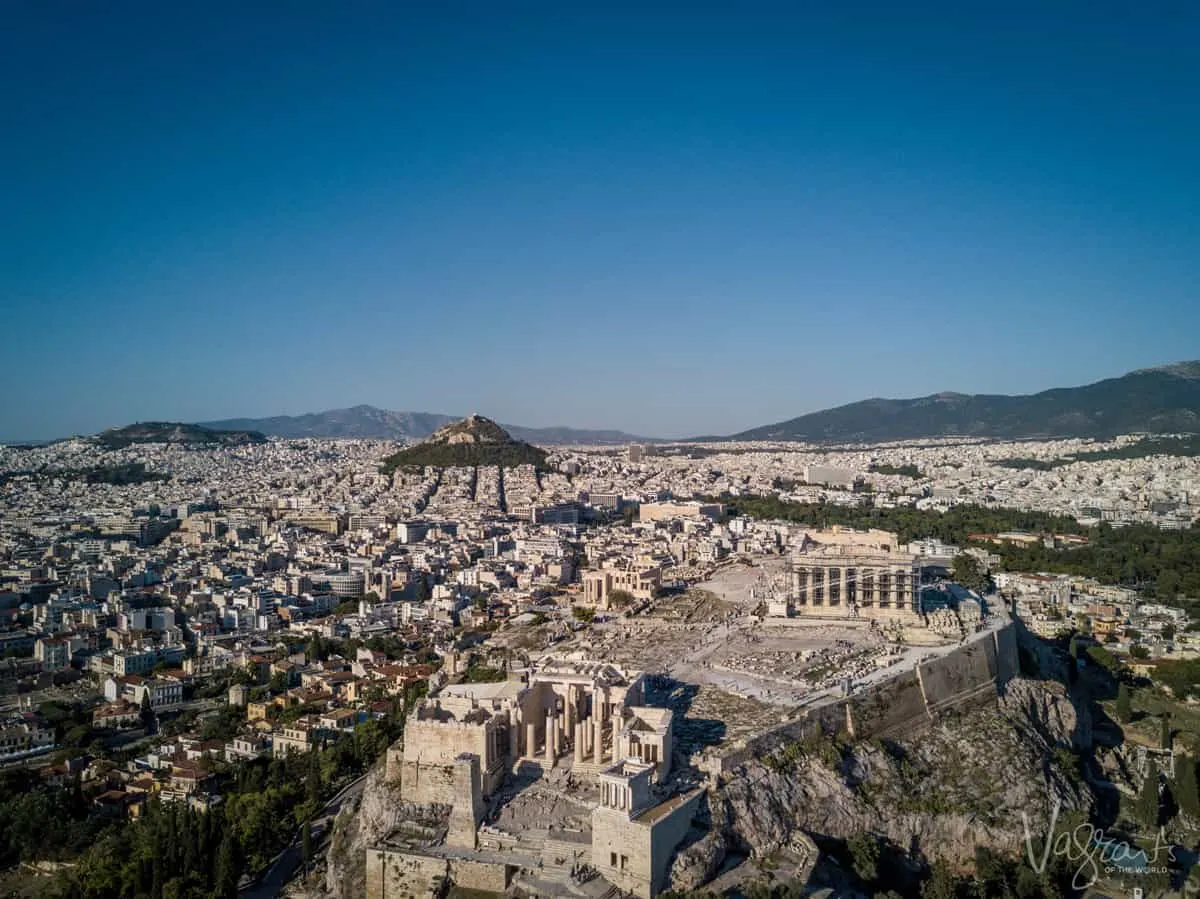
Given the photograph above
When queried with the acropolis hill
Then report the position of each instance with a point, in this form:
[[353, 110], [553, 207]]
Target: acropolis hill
[[577, 770]]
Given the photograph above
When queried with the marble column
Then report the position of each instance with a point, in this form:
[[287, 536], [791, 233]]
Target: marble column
[[530, 739], [551, 739]]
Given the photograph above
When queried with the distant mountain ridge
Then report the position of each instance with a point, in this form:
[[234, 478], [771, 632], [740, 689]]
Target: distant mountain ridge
[[374, 423], [1161, 400], [356, 421], [178, 433]]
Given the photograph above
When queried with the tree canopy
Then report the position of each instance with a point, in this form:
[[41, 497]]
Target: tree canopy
[[1161, 563]]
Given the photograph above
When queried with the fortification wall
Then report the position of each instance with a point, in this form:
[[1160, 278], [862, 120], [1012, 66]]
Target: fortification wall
[[961, 677], [894, 707], [394, 873], [621, 851], [1008, 663], [394, 763], [665, 836], [436, 742], [476, 875], [427, 784], [828, 720], [971, 675]]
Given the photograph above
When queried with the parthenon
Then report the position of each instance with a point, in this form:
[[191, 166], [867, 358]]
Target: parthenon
[[851, 574]]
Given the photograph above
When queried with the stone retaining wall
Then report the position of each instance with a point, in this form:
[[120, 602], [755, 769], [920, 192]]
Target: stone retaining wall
[[969, 676]]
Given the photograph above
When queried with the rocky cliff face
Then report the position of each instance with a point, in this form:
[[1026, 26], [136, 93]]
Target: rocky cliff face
[[378, 814], [358, 826], [1047, 709], [964, 783], [960, 784]]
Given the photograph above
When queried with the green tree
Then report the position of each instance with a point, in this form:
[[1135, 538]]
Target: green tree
[[1124, 704], [278, 683], [147, 712], [484, 674], [1147, 807], [758, 889], [970, 574], [1187, 788], [226, 886], [942, 884], [1167, 584], [313, 780], [1138, 651], [1165, 733], [1105, 659], [864, 856], [317, 649], [306, 852], [619, 599]]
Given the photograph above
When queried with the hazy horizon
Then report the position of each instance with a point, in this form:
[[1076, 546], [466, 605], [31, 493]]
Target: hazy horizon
[[546, 425]]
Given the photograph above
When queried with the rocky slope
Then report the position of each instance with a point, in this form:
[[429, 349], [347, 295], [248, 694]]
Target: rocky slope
[[378, 814], [964, 783]]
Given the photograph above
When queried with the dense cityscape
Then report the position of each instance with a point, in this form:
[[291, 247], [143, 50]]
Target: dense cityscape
[[281, 634]]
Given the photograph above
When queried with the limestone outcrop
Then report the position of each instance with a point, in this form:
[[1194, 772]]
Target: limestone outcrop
[[962, 783], [377, 814]]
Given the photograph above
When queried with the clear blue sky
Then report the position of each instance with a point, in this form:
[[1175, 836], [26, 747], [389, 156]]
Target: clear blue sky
[[689, 220]]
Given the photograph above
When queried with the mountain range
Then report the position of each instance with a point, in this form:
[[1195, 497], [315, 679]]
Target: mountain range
[[372, 422], [1162, 400]]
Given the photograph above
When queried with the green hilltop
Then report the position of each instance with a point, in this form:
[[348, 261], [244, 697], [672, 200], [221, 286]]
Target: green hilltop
[[474, 441], [174, 432]]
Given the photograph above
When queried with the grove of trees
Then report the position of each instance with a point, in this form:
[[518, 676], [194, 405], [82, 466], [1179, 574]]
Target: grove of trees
[[1162, 563], [173, 851]]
